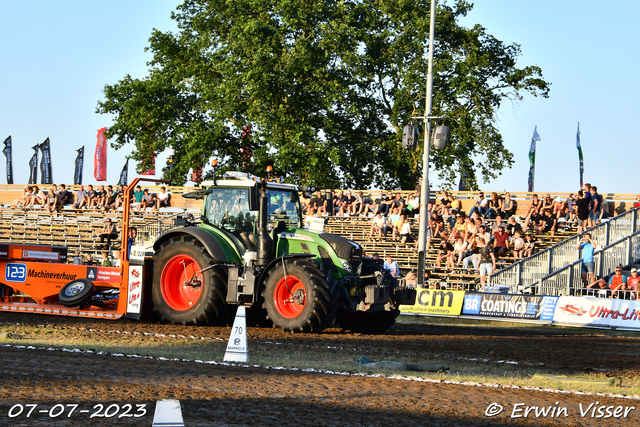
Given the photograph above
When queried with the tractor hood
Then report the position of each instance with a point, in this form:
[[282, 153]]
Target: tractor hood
[[344, 248]]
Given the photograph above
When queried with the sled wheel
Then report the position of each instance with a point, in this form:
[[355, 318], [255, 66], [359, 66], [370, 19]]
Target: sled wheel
[[76, 293]]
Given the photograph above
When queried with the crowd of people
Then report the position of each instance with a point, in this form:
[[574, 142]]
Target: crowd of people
[[104, 198]]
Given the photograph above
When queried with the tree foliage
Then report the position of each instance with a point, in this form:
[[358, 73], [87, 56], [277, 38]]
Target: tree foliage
[[326, 87]]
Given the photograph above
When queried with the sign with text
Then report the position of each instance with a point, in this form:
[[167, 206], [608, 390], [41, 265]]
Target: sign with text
[[528, 307], [593, 311], [438, 302]]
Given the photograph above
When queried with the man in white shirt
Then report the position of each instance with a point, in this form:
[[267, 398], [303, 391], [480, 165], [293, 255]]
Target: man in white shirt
[[162, 199]]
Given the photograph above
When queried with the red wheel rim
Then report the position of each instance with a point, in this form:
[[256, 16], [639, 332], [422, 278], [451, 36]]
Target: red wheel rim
[[284, 297], [176, 274]]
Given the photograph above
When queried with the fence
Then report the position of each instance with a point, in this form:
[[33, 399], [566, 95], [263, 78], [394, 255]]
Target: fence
[[530, 271]]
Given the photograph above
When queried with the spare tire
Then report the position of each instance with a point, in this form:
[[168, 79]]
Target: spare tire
[[76, 293]]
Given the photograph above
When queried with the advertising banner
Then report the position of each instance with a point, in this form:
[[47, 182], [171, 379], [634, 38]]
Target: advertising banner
[[77, 173], [530, 307], [100, 158], [7, 153], [46, 174], [436, 302], [593, 311], [33, 166]]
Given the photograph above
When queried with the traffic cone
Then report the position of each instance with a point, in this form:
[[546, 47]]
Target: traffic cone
[[237, 345]]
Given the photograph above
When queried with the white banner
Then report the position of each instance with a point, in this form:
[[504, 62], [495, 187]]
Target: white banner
[[592, 311]]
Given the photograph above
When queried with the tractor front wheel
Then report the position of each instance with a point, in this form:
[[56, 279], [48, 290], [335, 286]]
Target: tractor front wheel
[[298, 296]]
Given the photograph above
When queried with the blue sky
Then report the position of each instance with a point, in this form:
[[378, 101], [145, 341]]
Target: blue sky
[[57, 57]]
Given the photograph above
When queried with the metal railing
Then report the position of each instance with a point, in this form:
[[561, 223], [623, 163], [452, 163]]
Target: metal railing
[[568, 281], [147, 234], [530, 271]]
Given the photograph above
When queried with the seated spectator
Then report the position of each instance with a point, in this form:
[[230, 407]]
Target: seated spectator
[[90, 197], [518, 246], [377, 227], [392, 219], [78, 259], [460, 227], [147, 202], [529, 246], [482, 232], [546, 223], [109, 232], [162, 199], [634, 282], [445, 250], [392, 267], [598, 288], [471, 229], [533, 212], [387, 203], [560, 208], [405, 232], [513, 226], [398, 202], [624, 292], [397, 227], [101, 197], [501, 242], [454, 203], [547, 203], [37, 198], [509, 206], [571, 207], [81, 198], [319, 203], [374, 205], [436, 224], [411, 280], [26, 196], [412, 206], [357, 206], [459, 252], [494, 206], [136, 197], [52, 201], [472, 256], [480, 205], [63, 195], [617, 279], [110, 198]]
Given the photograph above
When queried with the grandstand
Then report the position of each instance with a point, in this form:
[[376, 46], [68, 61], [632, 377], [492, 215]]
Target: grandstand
[[79, 229]]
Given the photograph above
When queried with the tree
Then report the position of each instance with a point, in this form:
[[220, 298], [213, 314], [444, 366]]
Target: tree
[[326, 87]]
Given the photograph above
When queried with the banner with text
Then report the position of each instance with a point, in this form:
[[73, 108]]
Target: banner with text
[[437, 302], [528, 307], [46, 174], [100, 158], [592, 311], [7, 153]]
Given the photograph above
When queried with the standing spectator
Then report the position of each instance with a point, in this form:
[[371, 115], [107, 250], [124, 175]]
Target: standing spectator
[[109, 232], [162, 199], [487, 263], [595, 207], [391, 266], [583, 213], [588, 246]]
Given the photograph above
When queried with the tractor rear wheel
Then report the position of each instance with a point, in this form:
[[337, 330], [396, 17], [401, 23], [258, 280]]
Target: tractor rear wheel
[[184, 294], [299, 300]]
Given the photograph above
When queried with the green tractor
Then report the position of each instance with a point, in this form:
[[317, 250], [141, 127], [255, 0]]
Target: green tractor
[[250, 249]]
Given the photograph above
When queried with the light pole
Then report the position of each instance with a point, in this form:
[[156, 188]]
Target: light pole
[[424, 189]]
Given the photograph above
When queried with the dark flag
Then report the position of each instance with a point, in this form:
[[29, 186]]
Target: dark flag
[[7, 153], [124, 174], [77, 174], [46, 176], [33, 166]]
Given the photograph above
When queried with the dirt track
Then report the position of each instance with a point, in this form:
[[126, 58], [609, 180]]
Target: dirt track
[[221, 395]]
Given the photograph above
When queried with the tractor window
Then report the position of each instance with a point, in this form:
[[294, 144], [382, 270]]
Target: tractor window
[[283, 206], [228, 208]]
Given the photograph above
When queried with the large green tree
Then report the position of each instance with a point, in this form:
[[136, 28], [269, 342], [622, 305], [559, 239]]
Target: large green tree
[[326, 87]]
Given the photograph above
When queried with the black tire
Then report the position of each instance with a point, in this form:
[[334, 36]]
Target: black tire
[[174, 296], [76, 293], [367, 323], [302, 303]]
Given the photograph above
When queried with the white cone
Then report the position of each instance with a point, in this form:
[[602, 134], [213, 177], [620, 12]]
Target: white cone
[[168, 414], [237, 346]]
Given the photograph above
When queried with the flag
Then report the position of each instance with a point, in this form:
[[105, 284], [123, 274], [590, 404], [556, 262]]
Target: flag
[[579, 154], [100, 157], [152, 169], [46, 176], [532, 157], [462, 185], [33, 166], [77, 174], [196, 175], [8, 155], [124, 174]]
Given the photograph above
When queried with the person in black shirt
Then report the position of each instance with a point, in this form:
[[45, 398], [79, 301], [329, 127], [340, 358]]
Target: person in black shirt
[[583, 211], [445, 249]]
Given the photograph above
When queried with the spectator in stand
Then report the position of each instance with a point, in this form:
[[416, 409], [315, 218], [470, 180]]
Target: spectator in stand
[[81, 198], [374, 205], [455, 203], [398, 202], [571, 207], [533, 212], [137, 196], [637, 203], [63, 196], [482, 232], [470, 230], [101, 197], [487, 263], [389, 202], [618, 279], [604, 210], [345, 203], [162, 199], [445, 250], [587, 191], [547, 203], [412, 207], [595, 206], [501, 242], [319, 203], [472, 256], [496, 224], [110, 198], [480, 205], [547, 223], [397, 228], [37, 198], [458, 254], [495, 206], [518, 246], [358, 204], [106, 262], [52, 199], [529, 246], [625, 292], [436, 224], [377, 227], [460, 226], [392, 219], [513, 226], [560, 209], [588, 246], [634, 283], [509, 206], [418, 188], [109, 232], [146, 201], [410, 279], [598, 288], [392, 267], [583, 212], [405, 233], [90, 197], [26, 196]]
